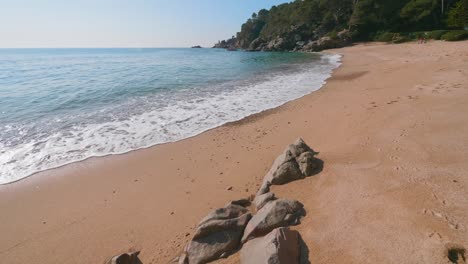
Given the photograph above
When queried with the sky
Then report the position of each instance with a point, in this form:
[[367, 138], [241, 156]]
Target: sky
[[122, 23]]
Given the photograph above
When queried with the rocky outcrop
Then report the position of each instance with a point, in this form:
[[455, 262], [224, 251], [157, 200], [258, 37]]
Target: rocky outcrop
[[292, 40], [125, 258], [296, 162], [263, 199], [277, 213], [218, 235], [227, 44], [280, 246]]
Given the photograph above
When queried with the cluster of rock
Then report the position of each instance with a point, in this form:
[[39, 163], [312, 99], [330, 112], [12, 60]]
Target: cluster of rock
[[264, 237], [290, 42]]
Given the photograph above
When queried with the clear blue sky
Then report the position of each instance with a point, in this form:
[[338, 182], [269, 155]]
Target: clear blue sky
[[122, 23]]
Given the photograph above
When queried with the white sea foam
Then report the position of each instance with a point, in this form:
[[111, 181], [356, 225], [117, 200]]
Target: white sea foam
[[180, 119]]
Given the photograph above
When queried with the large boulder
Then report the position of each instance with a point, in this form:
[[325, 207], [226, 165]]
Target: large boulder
[[280, 246], [218, 235], [296, 162], [277, 213]]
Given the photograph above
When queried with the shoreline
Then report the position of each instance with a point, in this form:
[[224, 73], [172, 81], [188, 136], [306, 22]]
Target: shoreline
[[334, 63], [151, 198]]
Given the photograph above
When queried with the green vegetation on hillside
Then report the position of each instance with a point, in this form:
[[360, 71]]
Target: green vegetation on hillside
[[303, 24]]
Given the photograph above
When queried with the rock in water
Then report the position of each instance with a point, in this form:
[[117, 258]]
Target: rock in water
[[217, 235], [296, 162], [126, 258], [280, 246], [278, 213], [263, 199]]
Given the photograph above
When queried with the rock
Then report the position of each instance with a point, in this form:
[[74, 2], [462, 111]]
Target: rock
[[218, 234], [264, 188], [240, 202], [322, 43], [254, 44], [126, 258], [276, 44], [296, 162], [229, 188], [183, 259], [280, 246], [278, 213], [300, 44], [263, 199], [228, 212], [227, 44], [344, 35], [308, 164]]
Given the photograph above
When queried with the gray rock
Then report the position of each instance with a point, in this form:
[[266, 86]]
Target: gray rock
[[322, 43], [296, 162], [280, 246], [276, 44], [183, 259], [218, 234], [126, 258], [263, 199], [240, 202], [278, 213], [228, 212], [264, 188], [307, 163]]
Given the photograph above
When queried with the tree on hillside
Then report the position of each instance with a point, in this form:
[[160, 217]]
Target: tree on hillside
[[421, 14], [458, 15]]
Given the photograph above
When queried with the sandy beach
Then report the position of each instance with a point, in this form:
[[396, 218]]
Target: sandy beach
[[391, 126]]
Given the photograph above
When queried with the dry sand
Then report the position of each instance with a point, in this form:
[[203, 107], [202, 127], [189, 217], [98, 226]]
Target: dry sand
[[391, 126]]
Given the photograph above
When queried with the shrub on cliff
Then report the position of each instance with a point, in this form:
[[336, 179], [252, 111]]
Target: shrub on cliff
[[455, 35]]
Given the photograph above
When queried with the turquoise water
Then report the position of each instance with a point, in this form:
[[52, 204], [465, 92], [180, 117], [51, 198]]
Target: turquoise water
[[63, 105]]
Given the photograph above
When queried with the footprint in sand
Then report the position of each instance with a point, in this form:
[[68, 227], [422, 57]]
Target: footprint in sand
[[447, 219]]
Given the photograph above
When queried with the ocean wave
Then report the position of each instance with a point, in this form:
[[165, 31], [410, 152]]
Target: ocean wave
[[148, 120]]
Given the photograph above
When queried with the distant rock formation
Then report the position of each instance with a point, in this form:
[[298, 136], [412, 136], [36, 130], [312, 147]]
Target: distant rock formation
[[196, 47], [290, 42], [230, 44]]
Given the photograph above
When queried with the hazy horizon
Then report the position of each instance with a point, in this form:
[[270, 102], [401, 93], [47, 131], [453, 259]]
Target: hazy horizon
[[121, 23]]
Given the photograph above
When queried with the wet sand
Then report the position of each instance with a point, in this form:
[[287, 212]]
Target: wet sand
[[391, 126]]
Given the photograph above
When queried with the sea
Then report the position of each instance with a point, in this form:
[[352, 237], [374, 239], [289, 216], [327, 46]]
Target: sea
[[59, 106]]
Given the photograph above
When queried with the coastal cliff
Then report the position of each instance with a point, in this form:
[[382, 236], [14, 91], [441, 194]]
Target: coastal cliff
[[315, 25]]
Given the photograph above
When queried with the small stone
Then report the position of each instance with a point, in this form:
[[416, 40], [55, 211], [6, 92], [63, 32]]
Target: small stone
[[229, 188]]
